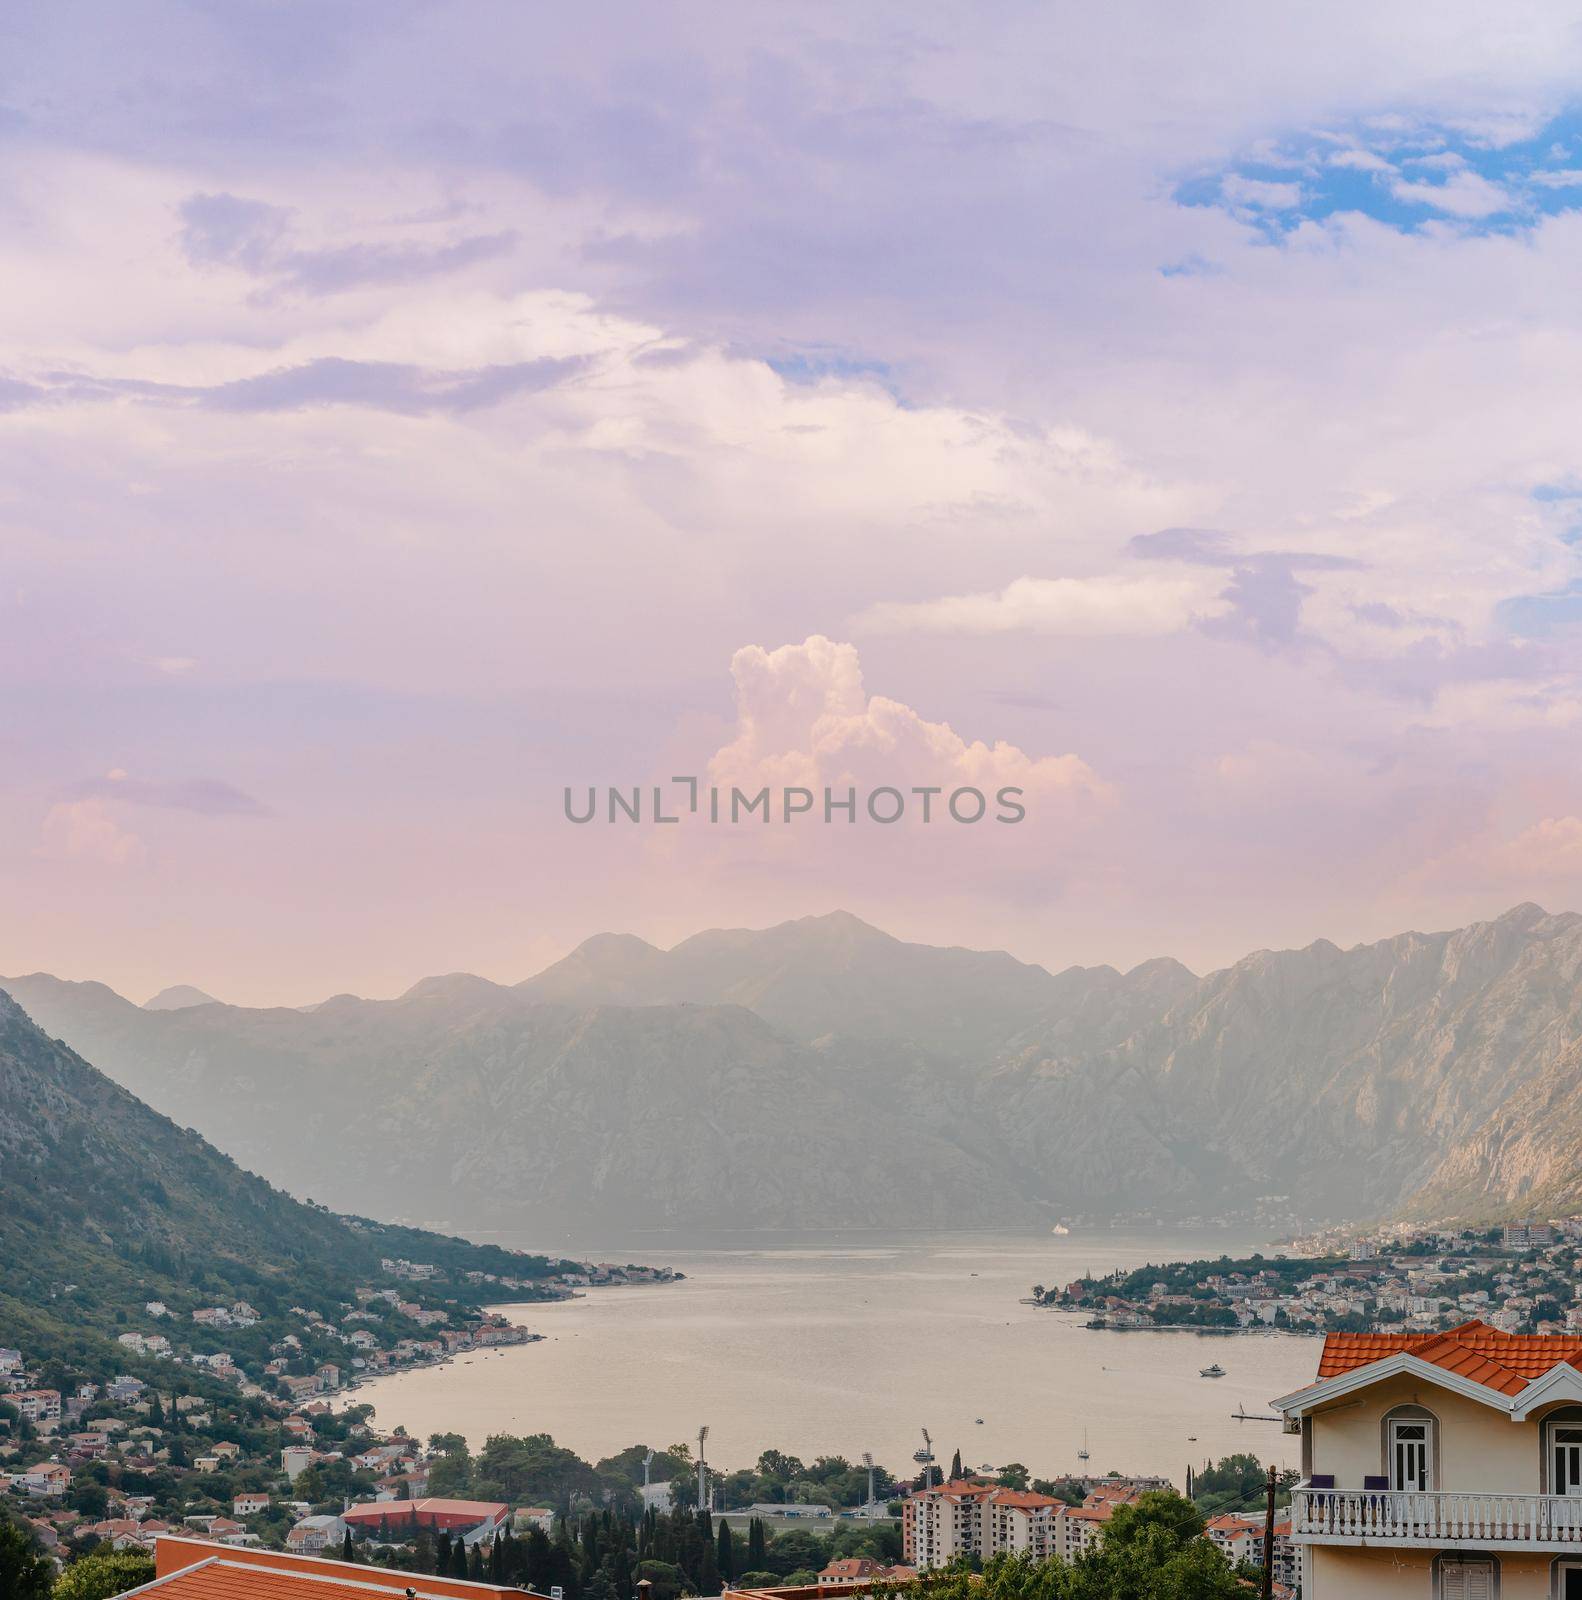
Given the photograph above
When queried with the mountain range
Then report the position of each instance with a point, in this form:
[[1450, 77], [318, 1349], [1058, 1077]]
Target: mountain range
[[822, 1074]]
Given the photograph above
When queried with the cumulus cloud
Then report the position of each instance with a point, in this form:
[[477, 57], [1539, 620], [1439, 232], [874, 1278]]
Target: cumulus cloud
[[1358, 160], [1260, 193], [804, 717], [84, 830], [1462, 194], [1074, 607]]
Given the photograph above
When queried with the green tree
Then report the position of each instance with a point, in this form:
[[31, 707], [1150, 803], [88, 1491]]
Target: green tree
[[794, 1550], [1159, 1509], [102, 1573], [1013, 1476], [24, 1571], [90, 1498], [725, 1555]]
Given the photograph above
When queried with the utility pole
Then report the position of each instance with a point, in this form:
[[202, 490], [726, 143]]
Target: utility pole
[[1266, 1587], [703, 1471]]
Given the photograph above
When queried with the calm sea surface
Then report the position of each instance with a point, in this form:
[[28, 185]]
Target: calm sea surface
[[846, 1344]]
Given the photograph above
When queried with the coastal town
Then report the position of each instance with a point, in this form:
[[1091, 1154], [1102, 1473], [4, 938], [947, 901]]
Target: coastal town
[[281, 1462], [1520, 1277], [240, 1430]]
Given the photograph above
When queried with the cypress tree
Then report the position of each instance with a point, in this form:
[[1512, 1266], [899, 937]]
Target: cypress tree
[[458, 1559], [955, 1466], [346, 1546], [757, 1546], [497, 1560], [442, 1553], [475, 1564], [725, 1556], [536, 1562]]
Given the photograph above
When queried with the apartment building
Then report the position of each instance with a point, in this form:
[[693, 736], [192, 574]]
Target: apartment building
[[1446, 1466], [970, 1517]]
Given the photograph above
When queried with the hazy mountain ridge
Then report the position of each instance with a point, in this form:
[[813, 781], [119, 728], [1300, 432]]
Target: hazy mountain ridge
[[99, 1191], [486, 1107], [822, 1073]]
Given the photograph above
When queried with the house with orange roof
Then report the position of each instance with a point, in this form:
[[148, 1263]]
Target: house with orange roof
[[1237, 1538], [1444, 1465]]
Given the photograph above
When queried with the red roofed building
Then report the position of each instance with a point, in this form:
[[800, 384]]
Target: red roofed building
[[853, 1569], [407, 1516], [969, 1516], [1237, 1538], [192, 1569], [1444, 1465]]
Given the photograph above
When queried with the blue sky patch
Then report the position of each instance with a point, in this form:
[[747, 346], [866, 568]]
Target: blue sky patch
[[1409, 175]]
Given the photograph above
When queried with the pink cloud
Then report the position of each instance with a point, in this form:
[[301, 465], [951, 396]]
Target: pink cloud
[[84, 830]]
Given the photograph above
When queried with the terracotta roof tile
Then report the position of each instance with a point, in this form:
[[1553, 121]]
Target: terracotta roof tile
[[1504, 1362]]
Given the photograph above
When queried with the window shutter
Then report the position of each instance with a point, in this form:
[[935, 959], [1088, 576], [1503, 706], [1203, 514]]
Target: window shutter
[[1466, 1580]]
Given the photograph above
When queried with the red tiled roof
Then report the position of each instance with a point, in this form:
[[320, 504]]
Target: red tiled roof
[[1504, 1362], [189, 1569], [400, 1510], [1024, 1499]]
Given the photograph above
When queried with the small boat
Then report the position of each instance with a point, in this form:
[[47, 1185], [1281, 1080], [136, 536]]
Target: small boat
[[1060, 1228], [1215, 1371], [978, 1420], [1082, 1454]]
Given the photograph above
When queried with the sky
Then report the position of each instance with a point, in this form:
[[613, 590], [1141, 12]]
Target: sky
[[410, 412]]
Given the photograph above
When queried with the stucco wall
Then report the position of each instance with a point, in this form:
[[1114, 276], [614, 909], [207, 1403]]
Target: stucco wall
[[1408, 1574], [1480, 1449]]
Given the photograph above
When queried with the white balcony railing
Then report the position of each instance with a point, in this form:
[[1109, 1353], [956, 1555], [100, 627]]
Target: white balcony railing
[[1408, 1516]]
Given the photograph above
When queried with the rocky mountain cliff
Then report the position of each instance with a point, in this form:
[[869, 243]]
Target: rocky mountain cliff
[[822, 1073]]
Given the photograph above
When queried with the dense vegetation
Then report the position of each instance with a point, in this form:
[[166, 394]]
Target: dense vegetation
[[602, 1555], [104, 1205], [534, 1469], [1152, 1550], [1189, 1277], [1238, 1483]]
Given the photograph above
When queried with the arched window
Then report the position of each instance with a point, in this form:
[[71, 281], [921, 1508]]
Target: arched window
[[1411, 1448], [1562, 1462]]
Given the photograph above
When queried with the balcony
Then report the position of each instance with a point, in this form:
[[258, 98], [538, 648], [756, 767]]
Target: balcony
[[1436, 1519]]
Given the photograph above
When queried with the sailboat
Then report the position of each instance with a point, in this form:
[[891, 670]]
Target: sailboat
[[1082, 1454]]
